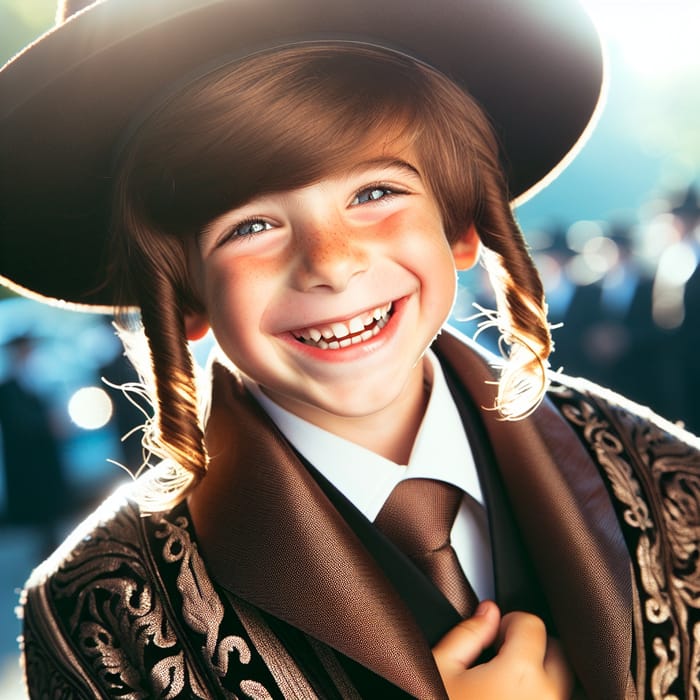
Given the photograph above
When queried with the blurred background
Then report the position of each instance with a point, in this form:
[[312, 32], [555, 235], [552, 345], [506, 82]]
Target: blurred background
[[616, 238]]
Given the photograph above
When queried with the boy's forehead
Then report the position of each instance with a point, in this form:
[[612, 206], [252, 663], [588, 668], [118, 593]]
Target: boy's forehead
[[385, 154], [383, 151]]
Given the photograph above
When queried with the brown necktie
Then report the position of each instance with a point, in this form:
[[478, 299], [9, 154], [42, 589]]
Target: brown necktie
[[418, 517]]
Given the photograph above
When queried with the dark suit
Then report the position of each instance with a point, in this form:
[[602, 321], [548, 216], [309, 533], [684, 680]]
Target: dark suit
[[262, 584]]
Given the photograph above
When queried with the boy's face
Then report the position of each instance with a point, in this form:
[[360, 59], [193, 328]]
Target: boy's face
[[328, 295]]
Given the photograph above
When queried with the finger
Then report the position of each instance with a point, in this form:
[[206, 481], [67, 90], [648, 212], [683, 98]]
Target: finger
[[558, 669], [463, 644], [523, 636]]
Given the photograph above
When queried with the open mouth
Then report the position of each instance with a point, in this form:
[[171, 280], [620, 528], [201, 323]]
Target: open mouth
[[342, 334]]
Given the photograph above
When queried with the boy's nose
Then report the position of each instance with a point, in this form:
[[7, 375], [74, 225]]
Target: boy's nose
[[328, 258]]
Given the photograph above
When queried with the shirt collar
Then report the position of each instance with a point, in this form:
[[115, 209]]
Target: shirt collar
[[441, 450]]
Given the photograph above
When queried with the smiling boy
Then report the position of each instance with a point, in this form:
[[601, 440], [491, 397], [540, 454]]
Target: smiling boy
[[309, 199], [359, 261]]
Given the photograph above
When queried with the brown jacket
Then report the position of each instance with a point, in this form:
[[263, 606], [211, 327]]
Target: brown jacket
[[258, 587]]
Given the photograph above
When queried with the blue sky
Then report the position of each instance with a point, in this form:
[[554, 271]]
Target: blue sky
[[647, 143]]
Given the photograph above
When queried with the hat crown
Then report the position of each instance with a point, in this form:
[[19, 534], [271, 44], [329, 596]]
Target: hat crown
[[67, 101]]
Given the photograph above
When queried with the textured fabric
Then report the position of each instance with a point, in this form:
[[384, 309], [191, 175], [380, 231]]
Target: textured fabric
[[316, 574], [433, 613], [126, 609], [605, 495], [568, 526], [418, 517], [441, 451], [652, 472]]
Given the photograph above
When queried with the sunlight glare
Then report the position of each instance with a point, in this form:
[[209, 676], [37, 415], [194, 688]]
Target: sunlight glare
[[656, 37]]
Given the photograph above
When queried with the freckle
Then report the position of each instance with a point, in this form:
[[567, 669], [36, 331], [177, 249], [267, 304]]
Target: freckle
[[327, 247]]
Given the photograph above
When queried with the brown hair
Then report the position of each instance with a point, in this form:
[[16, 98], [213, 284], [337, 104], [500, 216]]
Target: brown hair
[[281, 120]]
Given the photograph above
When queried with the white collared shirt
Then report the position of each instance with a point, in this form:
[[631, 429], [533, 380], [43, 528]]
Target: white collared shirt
[[441, 451]]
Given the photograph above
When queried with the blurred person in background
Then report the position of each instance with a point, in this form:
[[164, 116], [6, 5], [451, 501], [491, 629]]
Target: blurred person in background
[[677, 304], [36, 491], [608, 334]]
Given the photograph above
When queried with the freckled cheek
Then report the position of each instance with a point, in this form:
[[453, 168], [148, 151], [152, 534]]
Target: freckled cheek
[[426, 247], [430, 259], [422, 226], [237, 298], [400, 223]]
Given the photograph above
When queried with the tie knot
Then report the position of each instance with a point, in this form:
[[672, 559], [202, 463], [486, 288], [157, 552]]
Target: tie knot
[[418, 517], [419, 514]]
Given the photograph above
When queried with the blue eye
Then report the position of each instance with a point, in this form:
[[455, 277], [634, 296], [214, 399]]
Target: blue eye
[[244, 229], [250, 228], [371, 194]]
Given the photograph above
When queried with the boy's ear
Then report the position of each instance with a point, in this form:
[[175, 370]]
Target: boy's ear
[[465, 249], [196, 326]]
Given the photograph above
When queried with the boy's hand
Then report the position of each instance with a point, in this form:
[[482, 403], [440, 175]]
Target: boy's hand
[[528, 665]]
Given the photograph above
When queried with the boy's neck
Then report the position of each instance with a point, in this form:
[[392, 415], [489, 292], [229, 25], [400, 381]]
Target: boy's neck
[[390, 432]]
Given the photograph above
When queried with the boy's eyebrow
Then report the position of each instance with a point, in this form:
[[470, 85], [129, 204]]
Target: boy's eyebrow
[[355, 169], [383, 162]]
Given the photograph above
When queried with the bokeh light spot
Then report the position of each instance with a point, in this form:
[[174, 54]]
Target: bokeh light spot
[[90, 408]]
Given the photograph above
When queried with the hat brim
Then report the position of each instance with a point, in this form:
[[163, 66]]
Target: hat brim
[[535, 66]]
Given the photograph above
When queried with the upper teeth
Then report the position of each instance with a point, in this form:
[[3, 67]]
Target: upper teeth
[[336, 334]]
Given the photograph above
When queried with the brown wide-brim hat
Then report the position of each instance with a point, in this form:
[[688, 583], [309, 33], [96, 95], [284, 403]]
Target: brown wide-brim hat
[[67, 100]]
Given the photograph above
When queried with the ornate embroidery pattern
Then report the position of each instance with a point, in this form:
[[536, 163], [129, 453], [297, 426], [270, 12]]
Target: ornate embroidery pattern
[[653, 473], [103, 594], [136, 635], [282, 667], [202, 609], [47, 679]]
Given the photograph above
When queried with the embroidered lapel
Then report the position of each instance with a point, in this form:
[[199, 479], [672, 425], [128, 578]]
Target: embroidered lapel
[[568, 524], [270, 535]]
